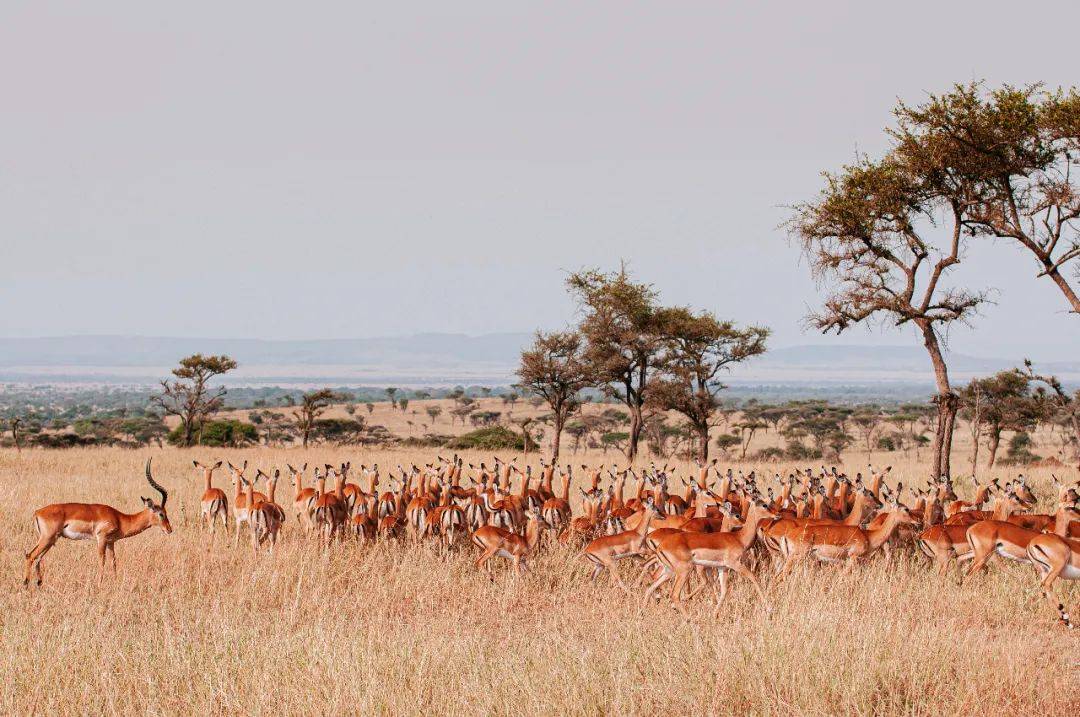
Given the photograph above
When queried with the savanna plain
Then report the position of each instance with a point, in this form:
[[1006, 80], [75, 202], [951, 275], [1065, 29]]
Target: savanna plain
[[391, 627]]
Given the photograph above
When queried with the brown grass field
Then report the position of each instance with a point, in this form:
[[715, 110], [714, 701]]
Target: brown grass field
[[401, 629]]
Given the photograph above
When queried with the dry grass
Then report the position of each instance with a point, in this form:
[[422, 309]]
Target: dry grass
[[395, 630]]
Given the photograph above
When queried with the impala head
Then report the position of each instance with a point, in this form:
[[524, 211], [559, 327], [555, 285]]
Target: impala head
[[758, 511], [1023, 492], [297, 474], [206, 468], [158, 516], [236, 473], [534, 516], [903, 515]]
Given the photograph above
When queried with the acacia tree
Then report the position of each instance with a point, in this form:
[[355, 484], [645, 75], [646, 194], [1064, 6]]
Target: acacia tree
[[189, 396], [1011, 153], [554, 369], [312, 405], [697, 348], [1069, 406], [867, 421], [869, 236], [1002, 402], [623, 343]]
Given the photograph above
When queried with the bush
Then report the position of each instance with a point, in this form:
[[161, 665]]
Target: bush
[[219, 433], [428, 440], [489, 439], [727, 440], [772, 453], [886, 443], [798, 452], [339, 430], [63, 440], [1020, 451]]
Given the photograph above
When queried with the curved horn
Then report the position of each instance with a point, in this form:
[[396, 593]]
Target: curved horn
[[154, 484]]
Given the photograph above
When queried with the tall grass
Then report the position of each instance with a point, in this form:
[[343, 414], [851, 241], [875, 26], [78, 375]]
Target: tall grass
[[400, 629]]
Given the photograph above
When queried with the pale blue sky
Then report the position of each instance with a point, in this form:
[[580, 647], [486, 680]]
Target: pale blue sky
[[355, 169]]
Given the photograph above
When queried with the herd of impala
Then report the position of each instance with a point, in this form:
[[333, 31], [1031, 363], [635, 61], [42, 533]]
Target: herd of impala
[[722, 523]]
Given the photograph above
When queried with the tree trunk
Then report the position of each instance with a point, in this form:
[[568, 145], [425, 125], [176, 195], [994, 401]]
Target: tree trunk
[[975, 454], [636, 425], [946, 402], [1063, 284], [557, 439], [703, 439], [995, 439], [953, 405]]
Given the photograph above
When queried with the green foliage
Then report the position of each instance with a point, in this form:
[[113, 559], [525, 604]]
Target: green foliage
[[1020, 450], [338, 430], [492, 438], [727, 440], [219, 434]]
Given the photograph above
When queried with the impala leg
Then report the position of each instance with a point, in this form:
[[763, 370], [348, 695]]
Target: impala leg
[[749, 575], [943, 560], [613, 569], [980, 556], [101, 549], [647, 570], [482, 561], [706, 581], [722, 595], [677, 590], [112, 555], [665, 575], [785, 569], [33, 558]]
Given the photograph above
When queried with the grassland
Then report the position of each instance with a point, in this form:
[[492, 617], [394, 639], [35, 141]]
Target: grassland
[[394, 629]]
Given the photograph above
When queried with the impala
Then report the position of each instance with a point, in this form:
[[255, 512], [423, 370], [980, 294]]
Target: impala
[[516, 548], [865, 503], [681, 552], [1009, 540], [330, 508], [836, 543], [103, 523], [1055, 557], [265, 517], [447, 519], [303, 498], [606, 551], [240, 498], [215, 504], [945, 542], [556, 510]]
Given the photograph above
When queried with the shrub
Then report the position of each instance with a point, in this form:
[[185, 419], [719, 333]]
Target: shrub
[[489, 439], [772, 453], [219, 433]]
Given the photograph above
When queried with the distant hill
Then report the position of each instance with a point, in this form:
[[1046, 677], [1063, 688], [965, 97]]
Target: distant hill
[[434, 359], [165, 350]]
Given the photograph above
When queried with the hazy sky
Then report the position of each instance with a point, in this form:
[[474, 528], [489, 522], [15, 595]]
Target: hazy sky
[[235, 170]]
